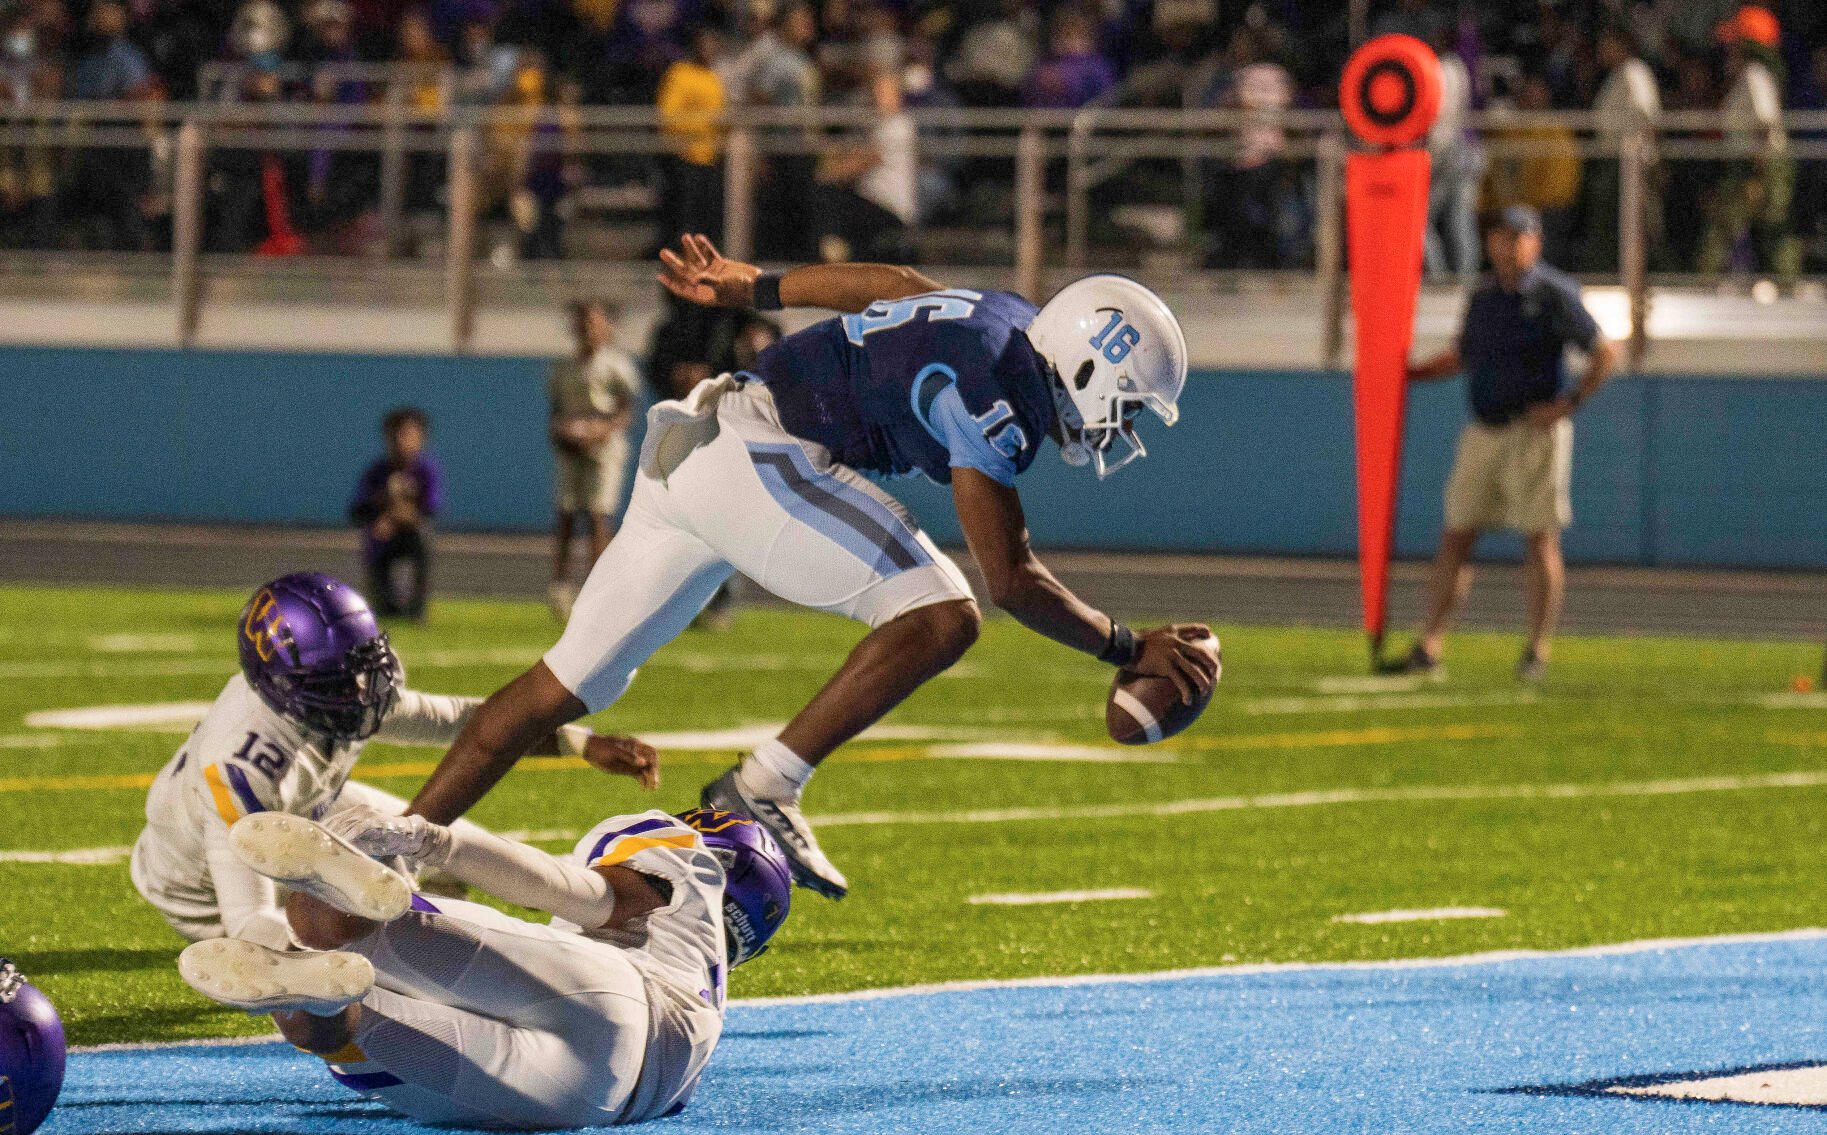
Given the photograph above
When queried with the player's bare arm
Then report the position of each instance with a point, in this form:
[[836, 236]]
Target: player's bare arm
[[699, 273], [1018, 582], [1444, 364], [1600, 362], [523, 716]]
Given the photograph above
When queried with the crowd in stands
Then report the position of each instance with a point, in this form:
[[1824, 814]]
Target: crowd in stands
[[862, 192]]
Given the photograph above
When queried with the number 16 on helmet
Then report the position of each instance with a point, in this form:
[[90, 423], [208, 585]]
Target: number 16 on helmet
[[1115, 348]]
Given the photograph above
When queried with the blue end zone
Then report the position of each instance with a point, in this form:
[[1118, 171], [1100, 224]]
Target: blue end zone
[[1518, 1045]]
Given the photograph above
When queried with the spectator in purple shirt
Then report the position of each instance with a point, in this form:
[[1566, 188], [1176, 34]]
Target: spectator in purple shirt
[[394, 505], [1073, 73]]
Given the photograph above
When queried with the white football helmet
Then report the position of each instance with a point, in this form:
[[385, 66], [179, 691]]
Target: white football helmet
[[1114, 348]]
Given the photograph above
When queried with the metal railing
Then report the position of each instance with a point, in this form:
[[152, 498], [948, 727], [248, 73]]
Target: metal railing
[[1056, 163]]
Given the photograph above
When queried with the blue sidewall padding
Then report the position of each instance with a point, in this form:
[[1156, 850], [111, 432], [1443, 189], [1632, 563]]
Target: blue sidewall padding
[[1668, 470]]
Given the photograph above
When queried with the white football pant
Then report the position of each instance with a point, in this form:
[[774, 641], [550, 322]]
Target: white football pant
[[482, 1019], [723, 487]]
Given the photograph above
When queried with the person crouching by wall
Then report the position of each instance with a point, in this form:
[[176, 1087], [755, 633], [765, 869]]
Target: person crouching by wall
[[395, 502], [592, 393]]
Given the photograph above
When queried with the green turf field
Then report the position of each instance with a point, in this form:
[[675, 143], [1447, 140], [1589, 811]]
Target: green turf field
[[1640, 794]]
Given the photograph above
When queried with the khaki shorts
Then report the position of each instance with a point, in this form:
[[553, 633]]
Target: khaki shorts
[[1516, 476], [592, 486]]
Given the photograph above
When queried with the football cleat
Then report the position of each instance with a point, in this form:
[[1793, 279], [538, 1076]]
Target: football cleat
[[1417, 663], [250, 976], [788, 826], [292, 850]]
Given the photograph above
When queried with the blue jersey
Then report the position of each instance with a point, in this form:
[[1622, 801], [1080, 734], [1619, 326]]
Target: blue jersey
[[925, 384]]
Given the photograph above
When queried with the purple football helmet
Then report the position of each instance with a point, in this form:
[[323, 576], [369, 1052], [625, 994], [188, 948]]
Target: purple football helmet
[[758, 884], [31, 1053], [311, 648]]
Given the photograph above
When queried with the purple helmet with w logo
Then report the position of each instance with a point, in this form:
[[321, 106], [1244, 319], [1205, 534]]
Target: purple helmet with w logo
[[312, 650], [31, 1053], [758, 885]]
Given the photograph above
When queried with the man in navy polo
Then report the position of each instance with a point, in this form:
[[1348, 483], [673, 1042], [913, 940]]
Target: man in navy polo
[[1515, 460]]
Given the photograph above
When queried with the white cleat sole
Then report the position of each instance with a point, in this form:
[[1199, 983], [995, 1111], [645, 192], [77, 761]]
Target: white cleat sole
[[292, 850], [250, 976]]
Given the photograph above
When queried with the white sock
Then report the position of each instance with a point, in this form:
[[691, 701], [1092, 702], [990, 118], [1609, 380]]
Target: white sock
[[774, 772]]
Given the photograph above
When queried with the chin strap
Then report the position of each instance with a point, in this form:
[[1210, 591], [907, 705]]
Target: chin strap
[[1075, 450]]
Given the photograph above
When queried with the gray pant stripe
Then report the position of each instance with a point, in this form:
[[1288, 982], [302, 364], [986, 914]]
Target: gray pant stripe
[[837, 507]]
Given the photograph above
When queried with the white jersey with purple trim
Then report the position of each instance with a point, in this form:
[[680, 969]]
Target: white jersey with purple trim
[[679, 948], [243, 757]]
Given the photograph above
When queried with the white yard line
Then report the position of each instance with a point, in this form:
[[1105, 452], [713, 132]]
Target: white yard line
[[1431, 914], [1314, 799], [1031, 751], [1373, 684], [156, 717], [1493, 957], [29, 740], [145, 643], [180, 716], [1335, 796], [1044, 898], [1363, 703], [75, 857], [131, 667], [1793, 700]]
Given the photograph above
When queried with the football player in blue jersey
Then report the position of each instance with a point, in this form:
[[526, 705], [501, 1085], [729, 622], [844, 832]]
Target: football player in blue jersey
[[762, 472]]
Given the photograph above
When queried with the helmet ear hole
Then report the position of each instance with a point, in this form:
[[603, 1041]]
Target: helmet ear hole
[[1085, 370]]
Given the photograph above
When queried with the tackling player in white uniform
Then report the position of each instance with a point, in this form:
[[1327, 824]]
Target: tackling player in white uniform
[[452, 1012], [318, 680]]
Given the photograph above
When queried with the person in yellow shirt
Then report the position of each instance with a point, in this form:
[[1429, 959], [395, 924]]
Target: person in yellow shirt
[[1535, 164], [691, 102]]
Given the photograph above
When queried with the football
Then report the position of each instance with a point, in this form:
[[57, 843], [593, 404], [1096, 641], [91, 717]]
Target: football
[[1143, 709]]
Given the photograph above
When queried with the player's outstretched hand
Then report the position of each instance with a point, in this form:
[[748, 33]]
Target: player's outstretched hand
[[624, 756], [1172, 652], [702, 275]]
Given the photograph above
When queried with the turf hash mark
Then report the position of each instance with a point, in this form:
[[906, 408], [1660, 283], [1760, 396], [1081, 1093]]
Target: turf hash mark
[[1430, 914], [1049, 898]]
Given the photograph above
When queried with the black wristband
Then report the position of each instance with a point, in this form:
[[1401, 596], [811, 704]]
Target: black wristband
[[1122, 649], [767, 291]]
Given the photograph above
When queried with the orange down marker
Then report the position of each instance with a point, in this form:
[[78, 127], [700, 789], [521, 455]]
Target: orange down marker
[[1390, 95]]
